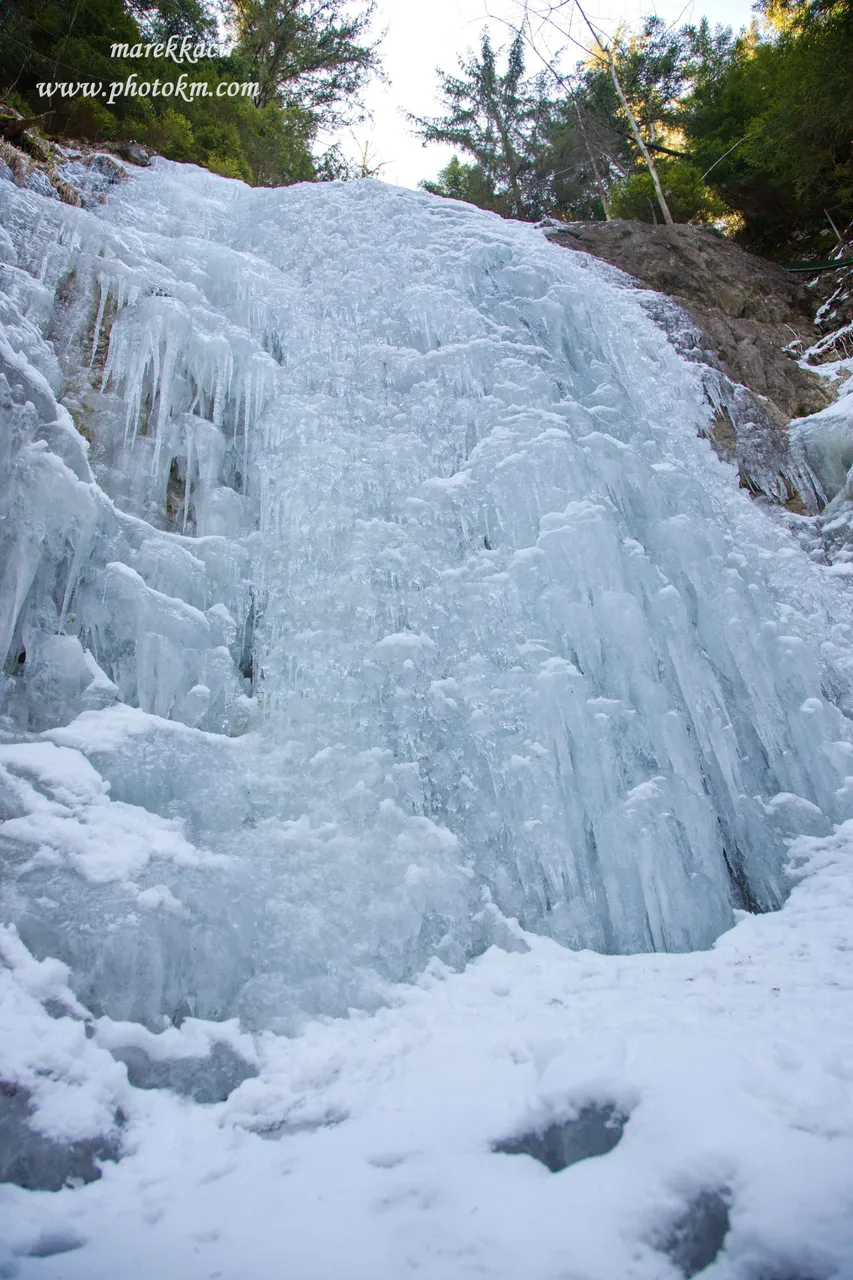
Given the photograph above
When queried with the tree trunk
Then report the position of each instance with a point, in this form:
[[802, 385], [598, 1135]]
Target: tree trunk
[[638, 138]]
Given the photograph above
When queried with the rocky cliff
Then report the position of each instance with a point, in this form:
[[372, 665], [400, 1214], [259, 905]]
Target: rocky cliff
[[752, 321], [754, 315]]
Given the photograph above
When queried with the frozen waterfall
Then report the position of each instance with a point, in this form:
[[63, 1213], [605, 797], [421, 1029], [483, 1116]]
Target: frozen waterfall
[[366, 589]]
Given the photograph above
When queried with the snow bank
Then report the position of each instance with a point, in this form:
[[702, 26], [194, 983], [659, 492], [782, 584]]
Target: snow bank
[[367, 1146]]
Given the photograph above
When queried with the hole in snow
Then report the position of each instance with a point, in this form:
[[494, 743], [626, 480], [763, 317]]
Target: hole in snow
[[55, 1239], [694, 1240], [743, 896], [35, 1162], [208, 1079], [246, 663], [594, 1131], [386, 1160]]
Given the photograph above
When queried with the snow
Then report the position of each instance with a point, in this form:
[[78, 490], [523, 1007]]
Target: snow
[[408, 727], [67, 816], [364, 1146], [825, 441]]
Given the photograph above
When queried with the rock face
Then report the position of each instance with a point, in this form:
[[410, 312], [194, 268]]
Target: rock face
[[132, 152], [749, 310], [75, 173]]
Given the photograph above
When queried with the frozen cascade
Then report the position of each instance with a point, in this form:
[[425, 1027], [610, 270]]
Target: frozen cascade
[[366, 588]]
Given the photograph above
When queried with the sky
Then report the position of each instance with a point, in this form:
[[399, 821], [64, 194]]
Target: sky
[[422, 35]]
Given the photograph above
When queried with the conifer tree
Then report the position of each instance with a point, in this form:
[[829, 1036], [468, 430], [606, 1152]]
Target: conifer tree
[[311, 58], [316, 52], [499, 119]]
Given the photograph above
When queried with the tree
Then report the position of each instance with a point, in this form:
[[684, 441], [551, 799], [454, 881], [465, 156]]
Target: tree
[[49, 40], [687, 196], [751, 130], [499, 119], [159, 19], [653, 68], [770, 121], [654, 64], [469, 182], [647, 74], [582, 156], [314, 61], [311, 52]]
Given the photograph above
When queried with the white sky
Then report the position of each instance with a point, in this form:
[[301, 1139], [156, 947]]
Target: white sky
[[425, 34]]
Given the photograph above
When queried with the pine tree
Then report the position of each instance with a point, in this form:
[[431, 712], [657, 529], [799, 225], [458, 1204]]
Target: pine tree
[[500, 120], [314, 52]]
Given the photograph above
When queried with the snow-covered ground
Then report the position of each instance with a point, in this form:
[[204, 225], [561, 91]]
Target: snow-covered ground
[[380, 637], [365, 1146]]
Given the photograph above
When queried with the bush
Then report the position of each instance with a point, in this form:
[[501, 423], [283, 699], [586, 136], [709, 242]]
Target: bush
[[458, 181], [266, 145], [171, 134], [689, 199]]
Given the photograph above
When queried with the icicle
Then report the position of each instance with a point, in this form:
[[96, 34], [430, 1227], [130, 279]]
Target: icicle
[[161, 378], [99, 319], [82, 549], [188, 436], [492, 565]]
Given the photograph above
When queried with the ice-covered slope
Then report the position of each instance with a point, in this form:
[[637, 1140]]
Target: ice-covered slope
[[367, 590]]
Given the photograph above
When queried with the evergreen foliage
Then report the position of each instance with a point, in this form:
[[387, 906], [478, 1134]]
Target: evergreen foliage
[[458, 181], [309, 58], [311, 52], [781, 105], [752, 131], [498, 118]]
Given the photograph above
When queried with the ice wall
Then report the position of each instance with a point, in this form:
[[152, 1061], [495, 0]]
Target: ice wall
[[366, 586]]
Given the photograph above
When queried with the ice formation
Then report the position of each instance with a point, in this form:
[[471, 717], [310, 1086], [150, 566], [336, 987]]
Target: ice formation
[[369, 598], [399, 598]]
